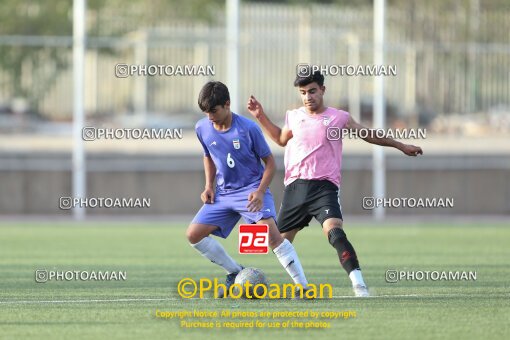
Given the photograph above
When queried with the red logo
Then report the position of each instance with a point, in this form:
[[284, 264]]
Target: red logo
[[345, 256], [253, 239]]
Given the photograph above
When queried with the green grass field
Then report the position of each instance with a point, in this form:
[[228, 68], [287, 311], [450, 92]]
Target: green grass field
[[156, 256]]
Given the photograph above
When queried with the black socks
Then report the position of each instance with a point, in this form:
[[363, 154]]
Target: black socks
[[344, 248]]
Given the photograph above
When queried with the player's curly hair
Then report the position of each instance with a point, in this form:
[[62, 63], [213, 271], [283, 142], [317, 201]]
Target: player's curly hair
[[316, 77], [212, 94]]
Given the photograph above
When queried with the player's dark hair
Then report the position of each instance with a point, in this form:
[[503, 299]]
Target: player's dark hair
[[212, 94], [315, 77]]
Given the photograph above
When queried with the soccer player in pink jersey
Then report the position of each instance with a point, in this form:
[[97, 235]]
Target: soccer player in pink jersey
[[312, 168]]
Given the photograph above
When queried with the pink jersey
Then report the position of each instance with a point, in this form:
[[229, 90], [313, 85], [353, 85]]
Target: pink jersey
[[315, 151]]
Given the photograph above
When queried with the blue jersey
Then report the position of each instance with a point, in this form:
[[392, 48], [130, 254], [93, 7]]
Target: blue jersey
[[236, 153]]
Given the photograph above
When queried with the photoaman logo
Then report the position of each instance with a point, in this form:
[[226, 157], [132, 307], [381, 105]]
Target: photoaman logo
[[253, 239], [188, 288]]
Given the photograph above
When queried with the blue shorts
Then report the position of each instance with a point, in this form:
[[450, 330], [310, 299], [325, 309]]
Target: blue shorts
[[228, 209]]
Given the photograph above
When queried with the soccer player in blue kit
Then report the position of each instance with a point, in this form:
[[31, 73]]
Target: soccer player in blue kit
[[233, 149]]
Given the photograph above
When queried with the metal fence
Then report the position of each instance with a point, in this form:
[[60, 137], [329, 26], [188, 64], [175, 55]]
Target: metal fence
[[447, 66]]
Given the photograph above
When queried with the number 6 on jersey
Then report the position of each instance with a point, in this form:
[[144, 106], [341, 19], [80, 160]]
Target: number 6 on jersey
[[230, 161]]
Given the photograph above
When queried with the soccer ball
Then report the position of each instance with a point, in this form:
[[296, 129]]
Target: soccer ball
[[256, 278]]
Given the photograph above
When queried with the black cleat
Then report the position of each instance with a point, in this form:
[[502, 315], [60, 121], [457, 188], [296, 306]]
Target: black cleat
[[231, 279], [298, 296]]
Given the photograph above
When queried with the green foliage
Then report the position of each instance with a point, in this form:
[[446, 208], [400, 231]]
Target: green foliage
[[54, 18], [49, 17]]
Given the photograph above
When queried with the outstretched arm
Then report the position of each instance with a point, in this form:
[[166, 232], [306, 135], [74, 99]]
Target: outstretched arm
[[279, 136], [408, 149]]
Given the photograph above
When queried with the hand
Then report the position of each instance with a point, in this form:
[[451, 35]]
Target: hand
[[411, 150], [254, 107], [256, 199], [207, 196]]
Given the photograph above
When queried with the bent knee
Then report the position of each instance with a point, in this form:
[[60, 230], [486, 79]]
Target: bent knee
[[196, 232], [332, 224], [193, 235], [275, 241]]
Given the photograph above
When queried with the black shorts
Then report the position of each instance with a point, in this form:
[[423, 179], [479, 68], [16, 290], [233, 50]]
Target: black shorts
[[304, 199]]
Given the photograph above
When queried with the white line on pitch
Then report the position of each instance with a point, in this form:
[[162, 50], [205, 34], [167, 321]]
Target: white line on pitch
[[87, 301], [208, 298], [384, 296], [154, 299]]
